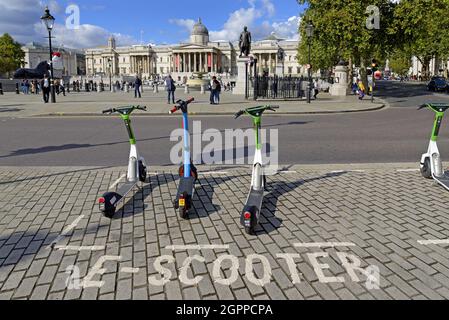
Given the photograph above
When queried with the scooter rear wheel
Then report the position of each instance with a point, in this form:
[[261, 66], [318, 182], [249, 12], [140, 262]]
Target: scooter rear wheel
[[426, 169], [250, 231]]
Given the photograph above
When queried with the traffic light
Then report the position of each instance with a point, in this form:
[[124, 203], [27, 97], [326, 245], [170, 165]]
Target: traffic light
[[375, 66]]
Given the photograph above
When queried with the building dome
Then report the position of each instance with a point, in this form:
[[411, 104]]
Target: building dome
[[199, 29]]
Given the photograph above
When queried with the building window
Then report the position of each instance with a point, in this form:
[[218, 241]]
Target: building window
[[162, 69], [290, 70], [298, 70], [124, 59]]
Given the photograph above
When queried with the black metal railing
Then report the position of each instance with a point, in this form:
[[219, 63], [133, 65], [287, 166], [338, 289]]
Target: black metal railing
[[263, 87]]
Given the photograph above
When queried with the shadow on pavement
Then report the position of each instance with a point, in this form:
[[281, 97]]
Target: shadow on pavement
[[54, 175], [47, 149], [269, 222]]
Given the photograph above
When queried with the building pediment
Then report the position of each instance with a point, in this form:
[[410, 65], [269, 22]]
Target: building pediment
[[191, 46]]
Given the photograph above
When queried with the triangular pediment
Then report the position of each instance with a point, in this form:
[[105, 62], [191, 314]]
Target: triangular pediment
[[191, 46]]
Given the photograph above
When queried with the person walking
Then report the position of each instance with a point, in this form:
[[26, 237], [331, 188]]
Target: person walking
[[316, 87], [362, 90], [137, 85], [171, 88], [45, 85], [213, 90]]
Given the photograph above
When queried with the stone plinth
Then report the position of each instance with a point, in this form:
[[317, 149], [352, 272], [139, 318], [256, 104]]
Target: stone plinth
[[240, 84], [341, 85], [280, 70]]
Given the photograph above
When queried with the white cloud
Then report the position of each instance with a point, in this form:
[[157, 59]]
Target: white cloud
[[185, 23], [22, 21], [249, 16]]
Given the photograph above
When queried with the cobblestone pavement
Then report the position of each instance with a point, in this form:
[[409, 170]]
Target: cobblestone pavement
[[317, 225]]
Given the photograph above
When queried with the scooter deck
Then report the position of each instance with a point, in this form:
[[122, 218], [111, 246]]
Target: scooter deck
[[444, 180], [125, 189]]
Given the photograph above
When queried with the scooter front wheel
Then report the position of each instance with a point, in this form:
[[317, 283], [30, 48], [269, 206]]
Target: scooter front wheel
[[426, 169], [142, 172]]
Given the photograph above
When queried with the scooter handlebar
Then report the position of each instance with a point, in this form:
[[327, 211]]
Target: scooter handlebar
[[239, 114], [108, 111], [422, 107], [142, 108]]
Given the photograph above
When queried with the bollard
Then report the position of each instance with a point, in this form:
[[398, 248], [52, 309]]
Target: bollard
[[17, 88], [156, 88], [1, 89], [186, 89], [203, 91]]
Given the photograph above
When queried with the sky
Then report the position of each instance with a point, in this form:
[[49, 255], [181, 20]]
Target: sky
[[147, 21]]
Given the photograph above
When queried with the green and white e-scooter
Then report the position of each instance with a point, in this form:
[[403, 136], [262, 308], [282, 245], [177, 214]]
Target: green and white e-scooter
[[251, 212], [431, 163], [137, 169]]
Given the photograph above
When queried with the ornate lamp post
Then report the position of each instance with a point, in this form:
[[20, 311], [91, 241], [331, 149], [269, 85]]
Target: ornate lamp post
[[110, 74], [48, 20], [309, 33]]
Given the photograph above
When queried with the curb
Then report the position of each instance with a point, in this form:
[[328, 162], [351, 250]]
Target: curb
[[222, 114]]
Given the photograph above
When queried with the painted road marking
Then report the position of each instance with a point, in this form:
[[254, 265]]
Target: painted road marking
[[197, 247], [324, 245], [436, 242], [117, 182], [214, 173], [129, 270], [407, 170], [76, 248], [67, 231]]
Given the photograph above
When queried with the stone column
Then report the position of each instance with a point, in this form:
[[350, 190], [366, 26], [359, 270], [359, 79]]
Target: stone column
[[194, 63], [270, 61], [201, 62]]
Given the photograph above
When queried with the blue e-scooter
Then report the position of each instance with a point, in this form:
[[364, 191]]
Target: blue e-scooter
[[187, 172]]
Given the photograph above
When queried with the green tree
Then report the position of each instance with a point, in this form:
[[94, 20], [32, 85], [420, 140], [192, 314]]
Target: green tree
[[423, 26], [11, 54], [400, 63], [341, 33]]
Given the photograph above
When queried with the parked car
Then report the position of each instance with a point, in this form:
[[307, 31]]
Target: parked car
[[438, 84]]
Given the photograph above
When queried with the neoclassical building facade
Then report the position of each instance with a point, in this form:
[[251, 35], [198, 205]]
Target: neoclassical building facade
[[200, 55]]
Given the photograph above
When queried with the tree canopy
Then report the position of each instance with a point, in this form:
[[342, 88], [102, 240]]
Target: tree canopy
[[11, 54], [341, 31], [423, 28]]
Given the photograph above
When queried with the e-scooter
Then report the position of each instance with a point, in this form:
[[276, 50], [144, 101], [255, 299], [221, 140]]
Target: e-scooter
[[187, 172], [137, 169], [251, 213], [431, 163]]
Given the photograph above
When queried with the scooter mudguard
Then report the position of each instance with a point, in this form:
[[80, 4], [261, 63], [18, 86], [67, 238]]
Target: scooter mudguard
[[253, 208], [186, 186], [111, 199]]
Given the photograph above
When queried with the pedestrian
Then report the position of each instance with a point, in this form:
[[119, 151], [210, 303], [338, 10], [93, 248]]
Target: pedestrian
[[170, 86], [137, 84], [362, 90], [213, 90], [45, 85], [316, 87], [27, 86], [62, 87]]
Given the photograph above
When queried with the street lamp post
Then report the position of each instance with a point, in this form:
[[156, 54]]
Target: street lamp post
[[110, 74], [49, 22], [309, 33]]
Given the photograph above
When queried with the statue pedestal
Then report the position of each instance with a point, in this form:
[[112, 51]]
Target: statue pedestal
[[240, 84], [280, 70], [341, 85]]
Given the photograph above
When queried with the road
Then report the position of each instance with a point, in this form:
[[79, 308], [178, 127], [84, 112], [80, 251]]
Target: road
[[396, 134]]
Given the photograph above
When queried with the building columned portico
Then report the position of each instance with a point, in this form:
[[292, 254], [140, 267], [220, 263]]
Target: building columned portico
[[200, 55]]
